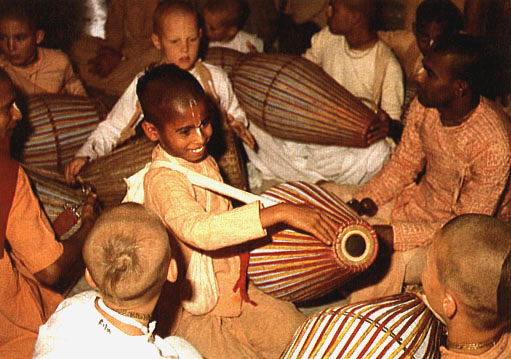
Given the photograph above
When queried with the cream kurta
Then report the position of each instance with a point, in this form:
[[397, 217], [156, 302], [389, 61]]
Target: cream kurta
[[50, 73], [467, 167]]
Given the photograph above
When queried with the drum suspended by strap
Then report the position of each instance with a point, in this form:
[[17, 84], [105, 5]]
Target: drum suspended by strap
[[61, 203], [292, 98], [105, 174], [298, 267], [223, 57], [59, 125], [399, 326]]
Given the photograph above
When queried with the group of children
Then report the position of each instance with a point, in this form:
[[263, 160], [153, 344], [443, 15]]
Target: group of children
[[128, 255]]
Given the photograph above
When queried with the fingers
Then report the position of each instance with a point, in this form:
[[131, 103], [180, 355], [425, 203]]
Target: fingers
[[73, 168], [90, 210], [248, 139], [251, 48]]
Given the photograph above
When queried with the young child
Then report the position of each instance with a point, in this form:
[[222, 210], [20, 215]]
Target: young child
[[128, 260], [223, 20], [220, 317], [467, 283], [349, 51], [177, 36], [32, 68], [434, 19]]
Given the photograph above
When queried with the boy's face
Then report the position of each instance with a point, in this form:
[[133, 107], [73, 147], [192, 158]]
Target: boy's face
[[427, 35], [215, 30], [179, 40], [339, 17], [436, 88], [9, 113], [18, 42], [186, 133]]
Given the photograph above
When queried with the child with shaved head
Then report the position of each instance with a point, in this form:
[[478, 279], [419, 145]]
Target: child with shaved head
[[128, 259], [467, 283]]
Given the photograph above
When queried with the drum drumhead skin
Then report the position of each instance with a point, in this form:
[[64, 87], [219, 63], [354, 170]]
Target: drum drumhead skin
[[297, 267]]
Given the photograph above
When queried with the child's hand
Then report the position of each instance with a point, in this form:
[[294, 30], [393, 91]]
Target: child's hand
[[308, 219], [73, 168], [380, 129], [241, 131], [251, 48]]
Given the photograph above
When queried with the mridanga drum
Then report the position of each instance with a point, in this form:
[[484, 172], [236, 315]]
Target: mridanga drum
[[294, 99], [223, 57], [399, 326], [297, 267], [59, 125]]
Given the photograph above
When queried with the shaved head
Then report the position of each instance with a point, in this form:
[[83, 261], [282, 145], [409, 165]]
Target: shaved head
[[127, 254], [473, 261]]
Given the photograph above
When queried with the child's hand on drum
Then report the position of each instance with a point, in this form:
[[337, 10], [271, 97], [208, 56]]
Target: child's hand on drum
[[308, 219], [73, 168], [241, 131], [380, 129]]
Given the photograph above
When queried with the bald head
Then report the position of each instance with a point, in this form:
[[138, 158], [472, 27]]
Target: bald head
[[473, 261], [166, 90], [127, 254], [171, 7]]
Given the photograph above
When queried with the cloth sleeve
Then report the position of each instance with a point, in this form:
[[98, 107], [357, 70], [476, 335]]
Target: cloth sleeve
[[393, 92], [172, 196], [29, 233], [72, 83], [228, 99], [105, 137], [405, 164], [315, 52]]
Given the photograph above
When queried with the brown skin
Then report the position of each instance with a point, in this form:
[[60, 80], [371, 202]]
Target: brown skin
[[106, 60], [72, 253]]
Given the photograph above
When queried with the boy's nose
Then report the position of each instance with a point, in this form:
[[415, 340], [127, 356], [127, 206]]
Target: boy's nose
[[200, 138], [11, 45], [186, 46]]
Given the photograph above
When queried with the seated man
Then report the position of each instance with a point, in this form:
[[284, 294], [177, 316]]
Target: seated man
[[349, 51], [461, 142], [467, 283], [31, 259], [128, 259]]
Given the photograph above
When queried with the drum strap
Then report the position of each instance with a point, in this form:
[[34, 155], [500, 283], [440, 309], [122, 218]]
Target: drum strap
[[9, 169]]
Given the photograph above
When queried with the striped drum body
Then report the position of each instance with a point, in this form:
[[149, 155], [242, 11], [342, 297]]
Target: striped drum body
[[223, 57], [298, 267], [55, 195], [400, 326], [60, 124], [106, 174], [292, 98]]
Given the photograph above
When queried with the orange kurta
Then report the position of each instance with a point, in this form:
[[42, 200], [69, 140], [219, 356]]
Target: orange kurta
[[31, 246], [50, 73], [466, 171]]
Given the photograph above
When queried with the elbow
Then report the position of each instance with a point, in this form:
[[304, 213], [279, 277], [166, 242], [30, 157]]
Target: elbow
[[49, 275]]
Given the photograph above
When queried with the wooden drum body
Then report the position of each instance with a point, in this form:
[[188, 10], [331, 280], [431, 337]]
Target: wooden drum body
[[399, 326], [59, 125], [298, 267]]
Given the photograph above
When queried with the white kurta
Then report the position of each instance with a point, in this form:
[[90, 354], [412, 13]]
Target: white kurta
[[239, 42], [357, 72], [107, 135]]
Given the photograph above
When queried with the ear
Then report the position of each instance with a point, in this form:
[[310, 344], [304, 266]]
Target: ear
[[461, 87], [89, 279], [172, 273], [151, 131], [39, 36], [156, 41], [450, 305]]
